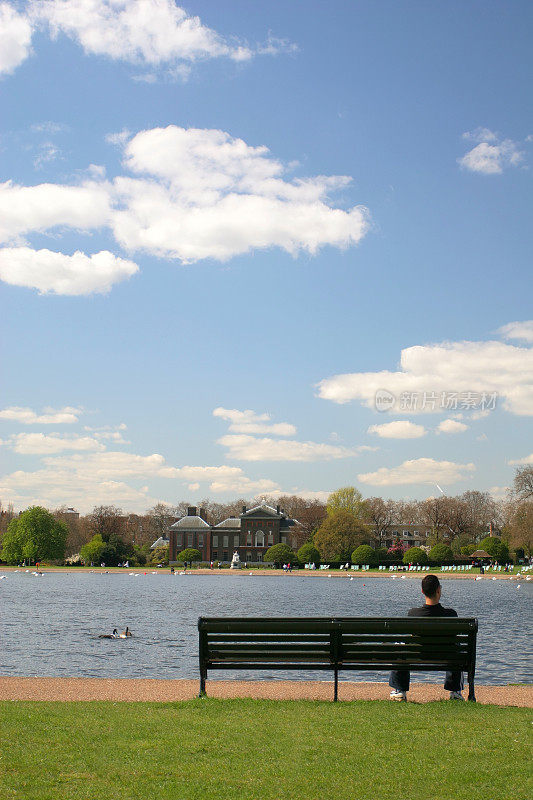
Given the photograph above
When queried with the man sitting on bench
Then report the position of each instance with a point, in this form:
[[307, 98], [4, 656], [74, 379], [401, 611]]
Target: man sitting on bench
[[399, 679]]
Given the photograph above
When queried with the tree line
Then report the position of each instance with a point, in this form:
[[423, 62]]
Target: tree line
[[335, 528]]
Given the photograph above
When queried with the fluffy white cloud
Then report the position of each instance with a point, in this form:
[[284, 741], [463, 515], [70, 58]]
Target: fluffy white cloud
[[47, 206], [399, 429], [56, 273], [522, 331], [49, 416], [151, 32], [199, 194], [250, 422], [251, 448], [526, 460], [15, 38], [442, 375], [418, 470], [491, 155], [451, 426], [44, 444]]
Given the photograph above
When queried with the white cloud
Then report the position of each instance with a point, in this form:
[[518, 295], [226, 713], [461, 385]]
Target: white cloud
[[526, 460], [57, 273], [400, 429], [44, 444], [49, 416], [457, 368], [48, 206], [518, 330], [201, 194], [15, 38], [499, 492], [153, 32], [251, 448], [47, 152], [451, 426], [492, 155], [250, 422], [419, 470]]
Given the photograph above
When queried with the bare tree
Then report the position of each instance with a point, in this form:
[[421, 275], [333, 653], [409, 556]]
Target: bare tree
[[523, 482], [107, 521], [381, 514]]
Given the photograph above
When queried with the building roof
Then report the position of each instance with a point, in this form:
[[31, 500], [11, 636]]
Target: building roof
[[230, 522], [190, 524], [161, 542], [265, 509]]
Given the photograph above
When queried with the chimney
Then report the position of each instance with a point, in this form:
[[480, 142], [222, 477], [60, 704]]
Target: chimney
[[202, 514], [191, 511], [244, 509], [277, 509]]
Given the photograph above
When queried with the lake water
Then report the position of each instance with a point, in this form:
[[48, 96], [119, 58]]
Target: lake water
[[49, 625]]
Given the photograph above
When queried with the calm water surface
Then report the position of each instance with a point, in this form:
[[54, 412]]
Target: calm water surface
[[49, 625]]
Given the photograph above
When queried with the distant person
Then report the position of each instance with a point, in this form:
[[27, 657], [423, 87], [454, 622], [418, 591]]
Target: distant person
[[399, 679]]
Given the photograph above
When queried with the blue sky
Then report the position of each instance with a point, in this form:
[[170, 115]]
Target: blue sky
[[226, 226]]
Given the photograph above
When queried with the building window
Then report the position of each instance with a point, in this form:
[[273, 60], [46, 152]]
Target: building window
[[260, 556], [225, 541], [225, 556], [215, 555], [235, 541], [179, 540], [215, 540], [248, 556], [249, 538], [200, 540], [270, 537], [259, 539], [190, 539], [284, 539]]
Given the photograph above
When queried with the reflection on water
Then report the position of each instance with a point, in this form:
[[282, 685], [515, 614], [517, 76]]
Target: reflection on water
[[49, 626]]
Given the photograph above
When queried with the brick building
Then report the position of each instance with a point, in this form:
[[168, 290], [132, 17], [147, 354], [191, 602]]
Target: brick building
[[250, 534]]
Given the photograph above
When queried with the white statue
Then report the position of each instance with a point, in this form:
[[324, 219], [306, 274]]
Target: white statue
[[235, 561]]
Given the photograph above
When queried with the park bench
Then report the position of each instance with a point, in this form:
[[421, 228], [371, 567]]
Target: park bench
[[338, 643]]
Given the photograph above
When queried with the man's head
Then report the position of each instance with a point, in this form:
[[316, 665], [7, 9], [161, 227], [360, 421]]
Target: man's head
[[431, 588]]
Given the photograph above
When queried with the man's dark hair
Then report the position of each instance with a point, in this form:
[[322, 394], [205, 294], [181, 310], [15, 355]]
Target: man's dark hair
[[430, 584]]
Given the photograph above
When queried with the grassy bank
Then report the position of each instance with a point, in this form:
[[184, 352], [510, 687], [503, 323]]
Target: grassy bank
[[264, 749]]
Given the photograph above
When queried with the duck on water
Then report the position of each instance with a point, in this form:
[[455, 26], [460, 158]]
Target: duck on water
[[116, 635]]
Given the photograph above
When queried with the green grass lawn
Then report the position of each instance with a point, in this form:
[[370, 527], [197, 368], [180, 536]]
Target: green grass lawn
[[264, 749]]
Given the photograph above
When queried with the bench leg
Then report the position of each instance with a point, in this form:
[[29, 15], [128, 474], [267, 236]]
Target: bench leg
[[471, 695], [203, 677], [336, 686]]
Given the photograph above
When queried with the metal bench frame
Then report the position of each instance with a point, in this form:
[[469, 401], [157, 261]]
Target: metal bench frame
[[424, 644]]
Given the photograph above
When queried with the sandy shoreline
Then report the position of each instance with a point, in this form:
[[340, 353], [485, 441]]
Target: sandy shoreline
[[302, 573], [165, 691]]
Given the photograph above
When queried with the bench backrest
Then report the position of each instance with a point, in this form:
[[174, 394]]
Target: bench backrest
[[337, 642]]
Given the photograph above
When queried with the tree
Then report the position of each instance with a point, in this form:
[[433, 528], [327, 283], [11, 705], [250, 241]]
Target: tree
[[380, 514], [280, 554], [364, 554], [189, 555], [495, 548], [116, 550], [37, 534], [415, 555], [519, 527], [160, 556], [91, 553], [433, 512], [339, 535], [523, 482], [159, 519], [347, 499], [440, 553], [308, 554], [107, 521]]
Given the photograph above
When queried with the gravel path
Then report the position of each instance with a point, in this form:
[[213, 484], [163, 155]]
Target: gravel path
[[148, 690]]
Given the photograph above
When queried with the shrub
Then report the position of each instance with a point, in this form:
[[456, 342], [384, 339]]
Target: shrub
[[440, 553], [415, 555], [495, 548], [364, 554], [190, 554], [280, 554], [159, 556], [308, 554]]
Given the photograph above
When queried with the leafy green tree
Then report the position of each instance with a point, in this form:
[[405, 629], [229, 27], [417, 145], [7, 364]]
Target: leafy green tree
[[190, 554], [160, 556], [347, 499], [338, 536], [91, 553], [13, 543], [280, 554], [38, 534], [495, 548], [415, 555], [364, 554], [440, 553], [116, 550], [308, 554]]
